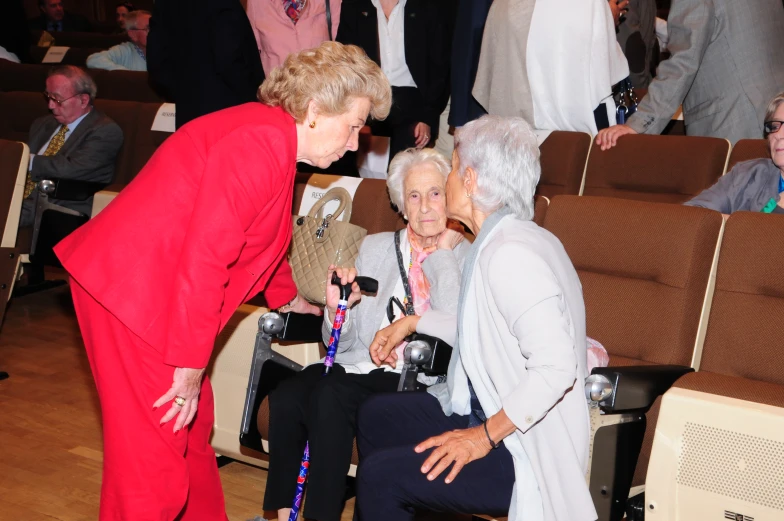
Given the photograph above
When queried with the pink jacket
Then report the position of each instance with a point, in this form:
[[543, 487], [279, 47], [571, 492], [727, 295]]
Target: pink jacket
[[277, 36]]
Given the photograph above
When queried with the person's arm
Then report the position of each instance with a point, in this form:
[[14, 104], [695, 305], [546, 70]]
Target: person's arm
[[280, 288], [438, 56], [227, 202], [160, 58], [98, 149], [726, 194], [690, 26], [349, 338], [530, 300], [227, 45], [111, 59]]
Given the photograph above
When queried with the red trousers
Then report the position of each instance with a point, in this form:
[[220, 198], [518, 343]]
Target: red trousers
[[149, 473]]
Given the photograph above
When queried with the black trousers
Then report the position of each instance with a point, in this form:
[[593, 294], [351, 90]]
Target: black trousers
[[407, 110], [323, 411], [390, 485]]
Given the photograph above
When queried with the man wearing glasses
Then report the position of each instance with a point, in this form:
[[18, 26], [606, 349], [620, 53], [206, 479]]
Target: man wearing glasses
[[75, 141], [127, 56]]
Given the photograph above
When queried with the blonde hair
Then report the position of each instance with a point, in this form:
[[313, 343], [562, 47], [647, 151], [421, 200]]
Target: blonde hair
[[332, 75]]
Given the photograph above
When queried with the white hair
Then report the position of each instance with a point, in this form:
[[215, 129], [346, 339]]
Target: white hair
[[505, 156], [403, 163], [132, 19]]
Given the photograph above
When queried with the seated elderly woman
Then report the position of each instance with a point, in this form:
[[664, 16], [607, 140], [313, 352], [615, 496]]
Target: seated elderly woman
[[511, 420], [755, 185], [417, 269]]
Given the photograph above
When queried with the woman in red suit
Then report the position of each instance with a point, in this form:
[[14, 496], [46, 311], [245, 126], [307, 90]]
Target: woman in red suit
[[158, 273]]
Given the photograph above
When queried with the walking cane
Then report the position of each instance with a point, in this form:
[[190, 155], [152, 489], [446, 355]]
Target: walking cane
[[367, 285]]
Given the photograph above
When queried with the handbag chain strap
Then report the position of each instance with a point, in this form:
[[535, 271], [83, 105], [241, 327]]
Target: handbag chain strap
[[409, 300]]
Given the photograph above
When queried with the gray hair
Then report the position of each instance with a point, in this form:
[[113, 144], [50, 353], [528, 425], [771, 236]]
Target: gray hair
[[773, 106], [132, 18], [505, 156], [403, 163], [81, 82]]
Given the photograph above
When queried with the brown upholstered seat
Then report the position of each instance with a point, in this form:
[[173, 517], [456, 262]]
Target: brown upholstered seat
[[742, 356], [79, 39], [563, 157], [22, 76], [19, 110], [644, 268], [74, 56], [540, 209], [666, 169], [747, 149]]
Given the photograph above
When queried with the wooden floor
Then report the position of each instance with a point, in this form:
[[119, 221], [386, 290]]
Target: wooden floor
[[50, 431]]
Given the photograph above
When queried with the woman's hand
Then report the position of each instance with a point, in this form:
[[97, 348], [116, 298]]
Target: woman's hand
[[302, 306], [347, 275], [460, 447], [449, 239], [422, 134], [186, 386], [382, 348], [608, 137], [618, 7]]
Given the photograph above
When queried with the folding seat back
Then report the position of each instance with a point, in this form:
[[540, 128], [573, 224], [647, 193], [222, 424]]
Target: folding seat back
[[563, 157], [14, 158], [748, 149], [22, 77], [19, 110], [126, 86], [665, 169], [719, 446], [81, 39], [125, 114], [540, 209], [645, 270]]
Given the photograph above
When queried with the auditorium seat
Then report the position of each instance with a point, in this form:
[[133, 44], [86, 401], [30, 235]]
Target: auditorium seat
[[563, 157], [14, 157], [117, 85], [719, 444], [74, 56], [665, 169], [645, 271], [79, 39], [747, 149], [19, 110]]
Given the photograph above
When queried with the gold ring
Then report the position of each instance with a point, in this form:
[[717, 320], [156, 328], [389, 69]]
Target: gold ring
[[179, 400]]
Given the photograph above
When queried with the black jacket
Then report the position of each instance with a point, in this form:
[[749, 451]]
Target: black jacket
[[71, 22], [202, 54], [427, 46]]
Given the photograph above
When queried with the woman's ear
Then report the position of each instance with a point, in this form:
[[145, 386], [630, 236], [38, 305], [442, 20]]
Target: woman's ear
[[469, 181], [312, 113]]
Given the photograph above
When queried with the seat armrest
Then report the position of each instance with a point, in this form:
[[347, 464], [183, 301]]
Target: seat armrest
[[300, 328], [442, 352], [637, 387], [69, 189]]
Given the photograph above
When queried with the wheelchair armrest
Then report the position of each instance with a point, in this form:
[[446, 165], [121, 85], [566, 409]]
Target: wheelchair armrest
[[633, 388], [300, 328], [69, 189]]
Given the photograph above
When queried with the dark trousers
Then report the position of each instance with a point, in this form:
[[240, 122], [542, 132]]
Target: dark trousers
[[407, 110], [323, 411], [390, 485]]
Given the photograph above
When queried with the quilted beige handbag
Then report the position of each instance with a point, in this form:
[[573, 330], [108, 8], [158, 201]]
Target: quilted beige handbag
[[319, 241]]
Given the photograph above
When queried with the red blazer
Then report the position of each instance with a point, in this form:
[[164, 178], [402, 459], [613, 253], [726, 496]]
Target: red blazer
[[204, 227]]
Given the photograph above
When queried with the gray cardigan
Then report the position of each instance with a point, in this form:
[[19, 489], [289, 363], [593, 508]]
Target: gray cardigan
[[377, 259], [748, 186]]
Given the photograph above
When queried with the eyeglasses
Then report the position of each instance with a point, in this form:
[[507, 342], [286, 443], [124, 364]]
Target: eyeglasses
[[773, 126], [49, 97]]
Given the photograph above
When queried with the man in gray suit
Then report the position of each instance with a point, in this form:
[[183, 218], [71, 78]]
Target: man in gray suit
[[75, 141], [727, 63]]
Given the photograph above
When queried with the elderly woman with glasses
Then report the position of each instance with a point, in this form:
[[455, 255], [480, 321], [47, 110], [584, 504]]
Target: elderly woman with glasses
[[418, 268], [203, 227], [756, 185], [508, 432]]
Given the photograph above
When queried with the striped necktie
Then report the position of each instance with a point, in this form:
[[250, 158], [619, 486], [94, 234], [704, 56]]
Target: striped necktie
[[54, 147]]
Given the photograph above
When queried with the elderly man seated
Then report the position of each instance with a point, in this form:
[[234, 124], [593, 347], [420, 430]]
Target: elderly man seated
[[127, 56], [55, 18], [75, 141]]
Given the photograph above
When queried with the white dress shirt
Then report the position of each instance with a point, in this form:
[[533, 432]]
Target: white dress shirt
[[71, 127], [391, 45]]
